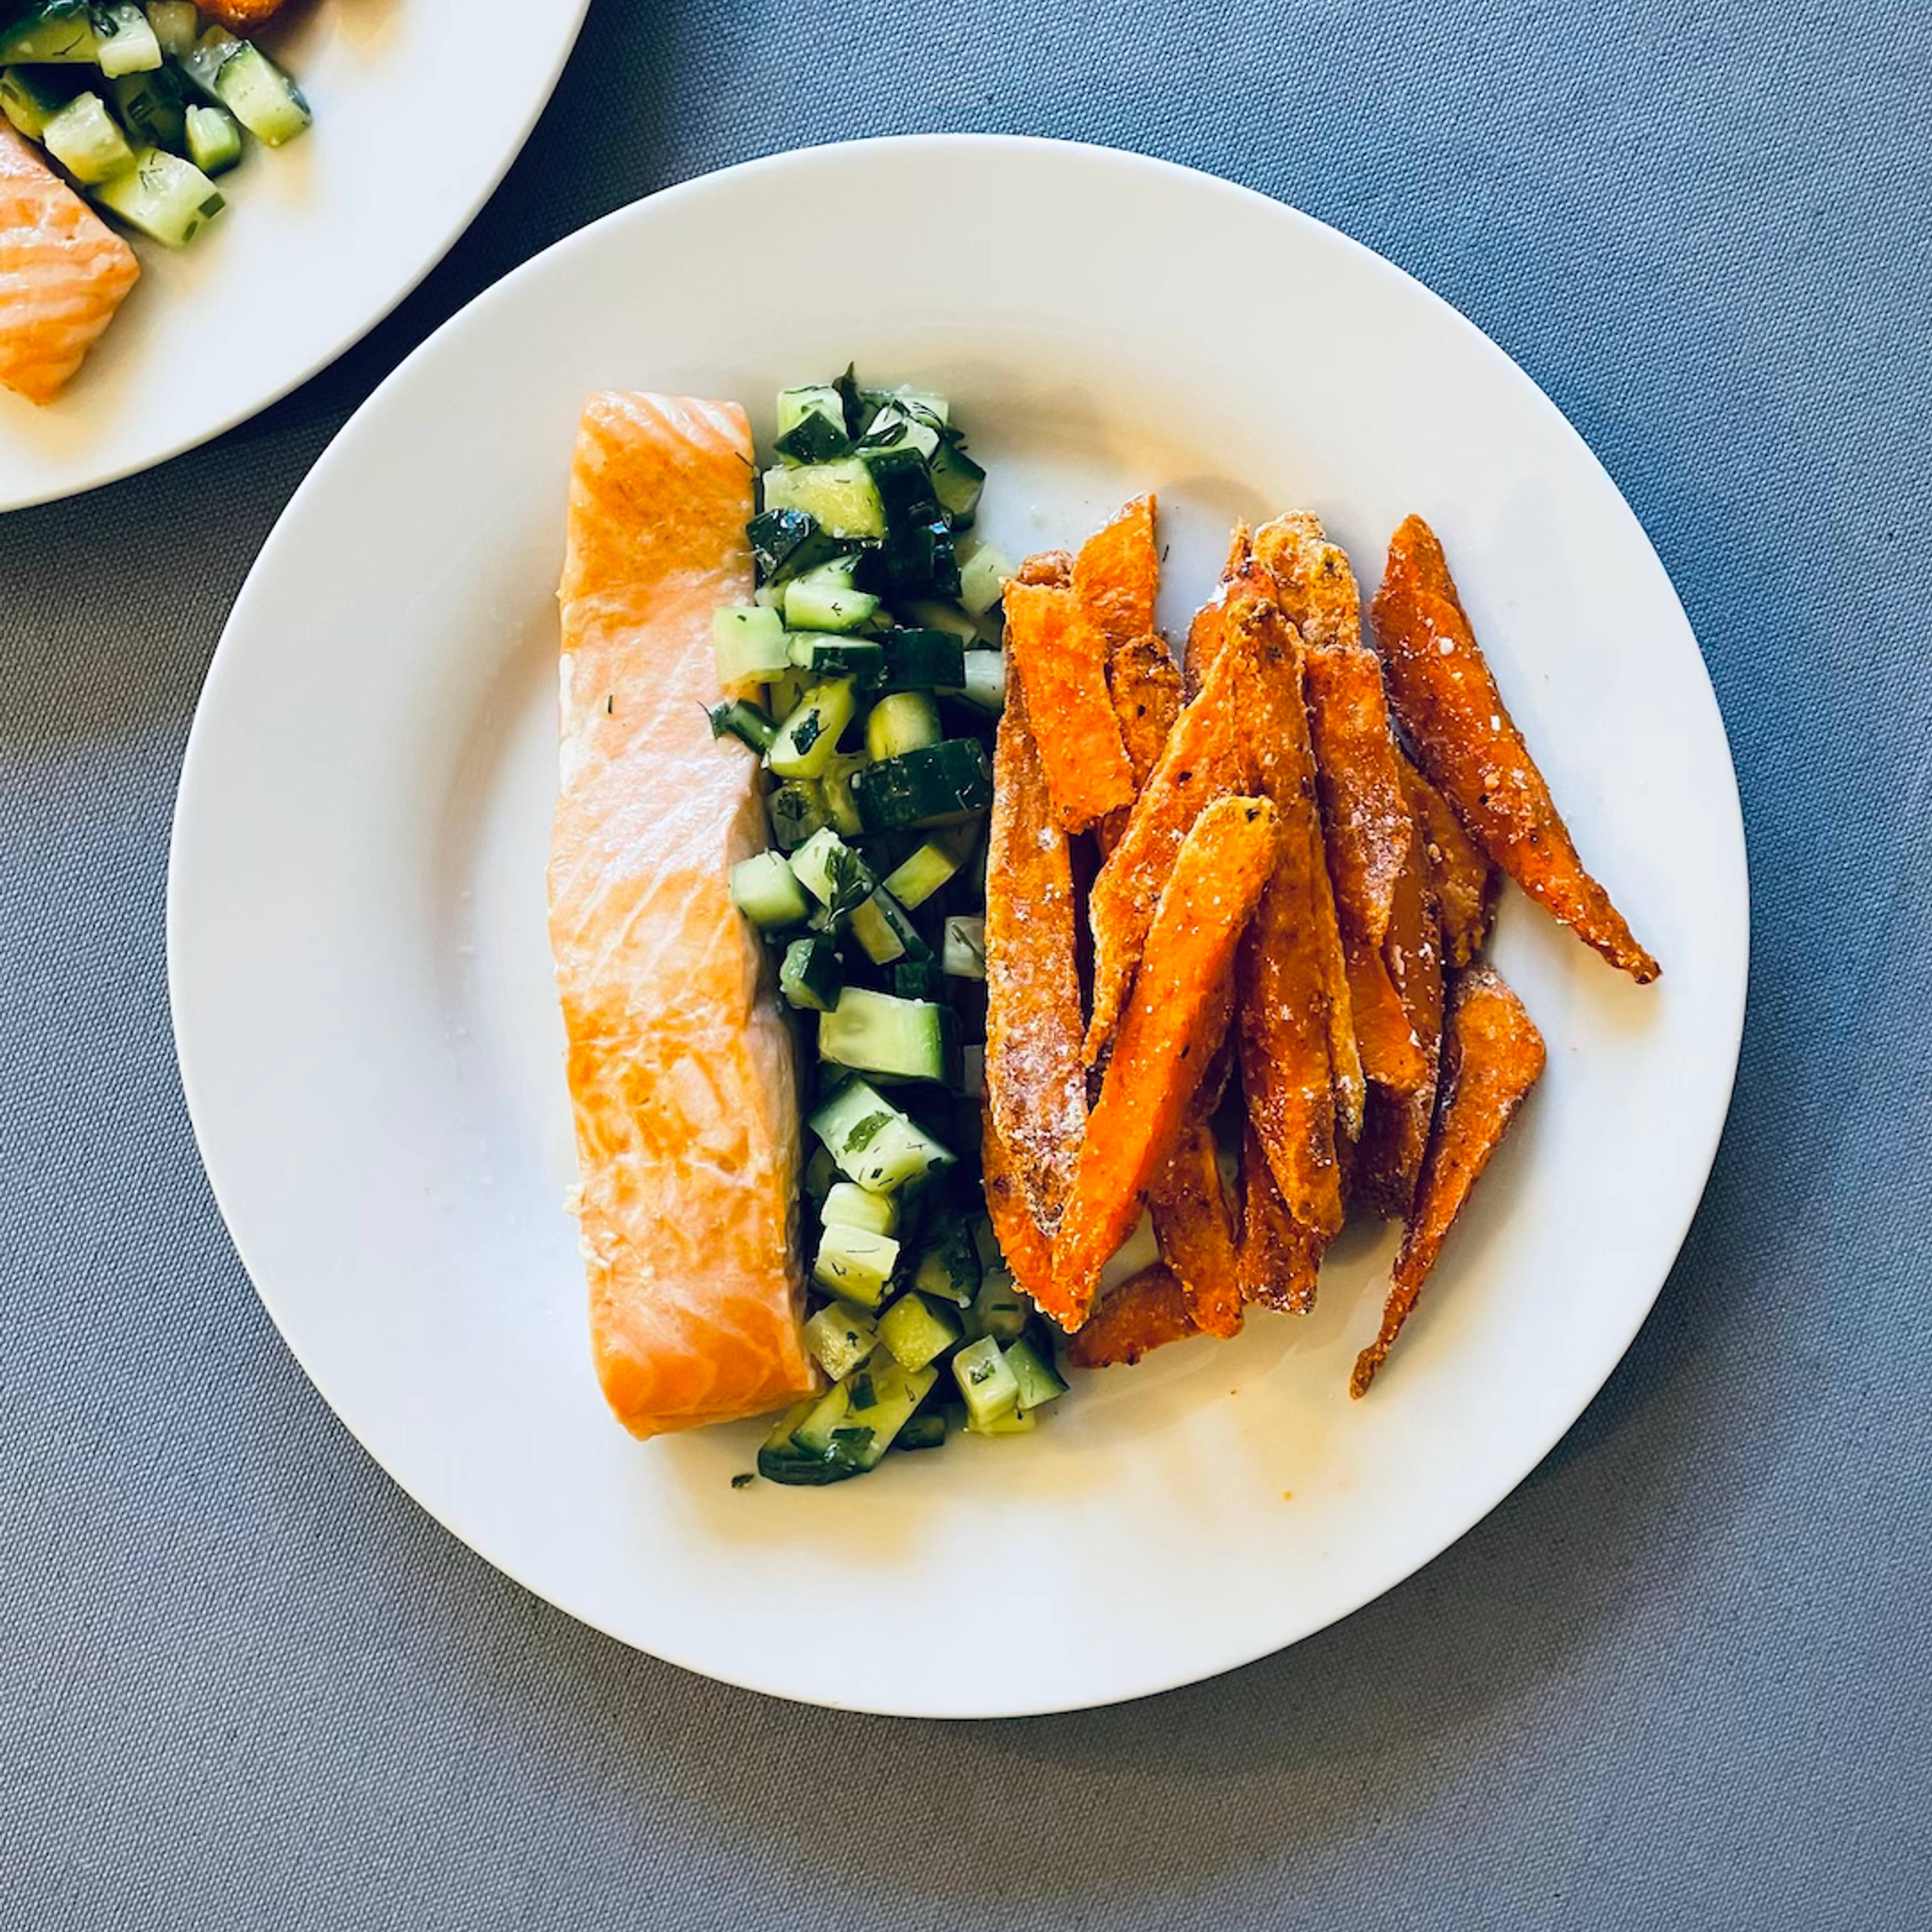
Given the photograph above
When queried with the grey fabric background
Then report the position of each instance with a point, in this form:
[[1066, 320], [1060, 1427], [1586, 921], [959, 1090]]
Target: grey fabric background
[[1679, 1681]]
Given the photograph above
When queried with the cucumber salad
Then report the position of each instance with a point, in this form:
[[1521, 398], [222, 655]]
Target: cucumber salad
[[869, 679], [141, 106]]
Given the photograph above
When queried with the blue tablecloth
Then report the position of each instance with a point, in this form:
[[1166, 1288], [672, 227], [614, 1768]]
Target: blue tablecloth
[[1679, 1681]]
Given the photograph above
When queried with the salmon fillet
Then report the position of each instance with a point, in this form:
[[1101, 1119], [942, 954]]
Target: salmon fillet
[[680, 1066], [63, 274]]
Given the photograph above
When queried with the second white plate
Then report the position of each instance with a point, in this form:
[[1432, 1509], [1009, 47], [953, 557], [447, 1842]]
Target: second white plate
[[368, 1029]]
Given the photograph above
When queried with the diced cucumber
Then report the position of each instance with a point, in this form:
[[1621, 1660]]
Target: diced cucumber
[[918, 980], [770, 597], [151, 109], [238, 76], [176, 23], [58, 32], [879, 1034], [785, 542], [997, 1309], [957, 481], [1038, 1382], [84, 139], [840, 805], [811, 424], [903, 424], [745, 722], [846, 1205], [827, 598], [809, 735], [896, 1391], [984, 1380], [167, 199], [984, 573], [784, 691], [796, 809], [747, 645], [872, 1142], [963, 949], [938, 784], [926, 1430], [29, 101], [124, 42], [842, 497], [855, 1264], [883, 931], [915, 1331], [765, 890], [783, 1459], [832, 872], [1008, 1422], [821, 1175], [906, 721], [838, 1338], [983, 685], [810, 974], [949, 1268], [922, 660], [828, 1413], [827, 654], [917, 553], [915, 879], [923, 402], [933, 613]]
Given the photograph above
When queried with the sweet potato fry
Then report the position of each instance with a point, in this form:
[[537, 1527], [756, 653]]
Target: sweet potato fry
[[1035, 1084], [1492, 1057], [1464, 882], [1028, 1252], [1116, 573], [1162, 1052], [1389, 1160], [1282, 989], [1278, 1259], [1048, 569], [1468, 747], [1318, 589], [1061, 659], [1196, 1232], [1242, 580], [1144, 1312], [1200, 763]]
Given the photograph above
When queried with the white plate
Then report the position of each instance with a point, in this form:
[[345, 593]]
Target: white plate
[[362, 983], [418, 113]]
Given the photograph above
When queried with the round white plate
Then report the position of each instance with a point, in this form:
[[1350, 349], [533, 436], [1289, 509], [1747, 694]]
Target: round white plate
[[418, 114], [361, 981]]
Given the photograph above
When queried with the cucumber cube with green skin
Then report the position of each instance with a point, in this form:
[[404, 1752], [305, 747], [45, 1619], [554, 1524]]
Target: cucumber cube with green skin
[[828, 654], [932, 613], [1008, 1422], [125, 41], [896, 1392], [749, 645], [848, 1205], [963, 948], [28, 99], [906, 721], [832, 872], [782, 1458], [918, 980], [983, 681], [785, 542], [949, 1270], [1038, 1382], [151, 110], [997, 1312], [855, 1265], [957, 481], [984, 574], [745, 722], [984, 1380], [167, 198], [85, 141], [843, 497], [884, 933], [811, 975], [826, 1414], [840, 806], [52, 36], [796, 809], [872, 1142], [821, 1172], [238, 76], [915, 1332], [922, 660], [811, 424], [894, 1039], [176, 23], [767, 891], [827, 599], [838, 1338], [926, 1430], [945, 784], [915, 880], [809, 735]]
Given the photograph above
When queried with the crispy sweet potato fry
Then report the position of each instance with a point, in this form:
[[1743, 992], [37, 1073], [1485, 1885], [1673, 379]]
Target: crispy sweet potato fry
[[1390, 1159], [1116, 573], [1242, 580], [1144, 1312], [1035, 1084], [1145, 683], [1200, 763], [1061, 658], [1162, 1052], [1468, 746], [1027, 1251], [1492, 1057], [1278, 1259], [1196, 1232], [1050, 569], [1465, 883], [1282, 981], [1318, 588]]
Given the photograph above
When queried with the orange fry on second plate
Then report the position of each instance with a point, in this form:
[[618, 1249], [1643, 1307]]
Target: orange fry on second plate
[[1196, 1231], [1116, 574], [1468, 746], [1028, 1253], [1463, 881], [1493, 1057], [1277, 1263], [1162, 1052], [1061, 659], [1145, 1312]]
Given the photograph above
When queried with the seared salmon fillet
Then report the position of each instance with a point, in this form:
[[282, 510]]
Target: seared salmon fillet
[[680, 1066], [63, 274]]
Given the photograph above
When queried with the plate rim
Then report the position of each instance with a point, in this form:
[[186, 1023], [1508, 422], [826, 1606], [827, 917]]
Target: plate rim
[[119, 471], [1731, 994]]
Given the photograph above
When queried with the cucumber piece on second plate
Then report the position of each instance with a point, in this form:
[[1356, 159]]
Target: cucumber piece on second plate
[[811, 975], [151, 110], [846, 1205], [809, 735], [872, 1142], [832, 872], [166, 198], [58, 32], [937, 784], [949, 1270], [747, 645], [124, 42], [838, 1338], [902, 1039], [242, 78], [767, 891], [915, 1332], [86, 140], [907, 720], [855, 1264], [841, 497], [30, 100], [984, 1380], [1037, 1380], [828, 599]]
